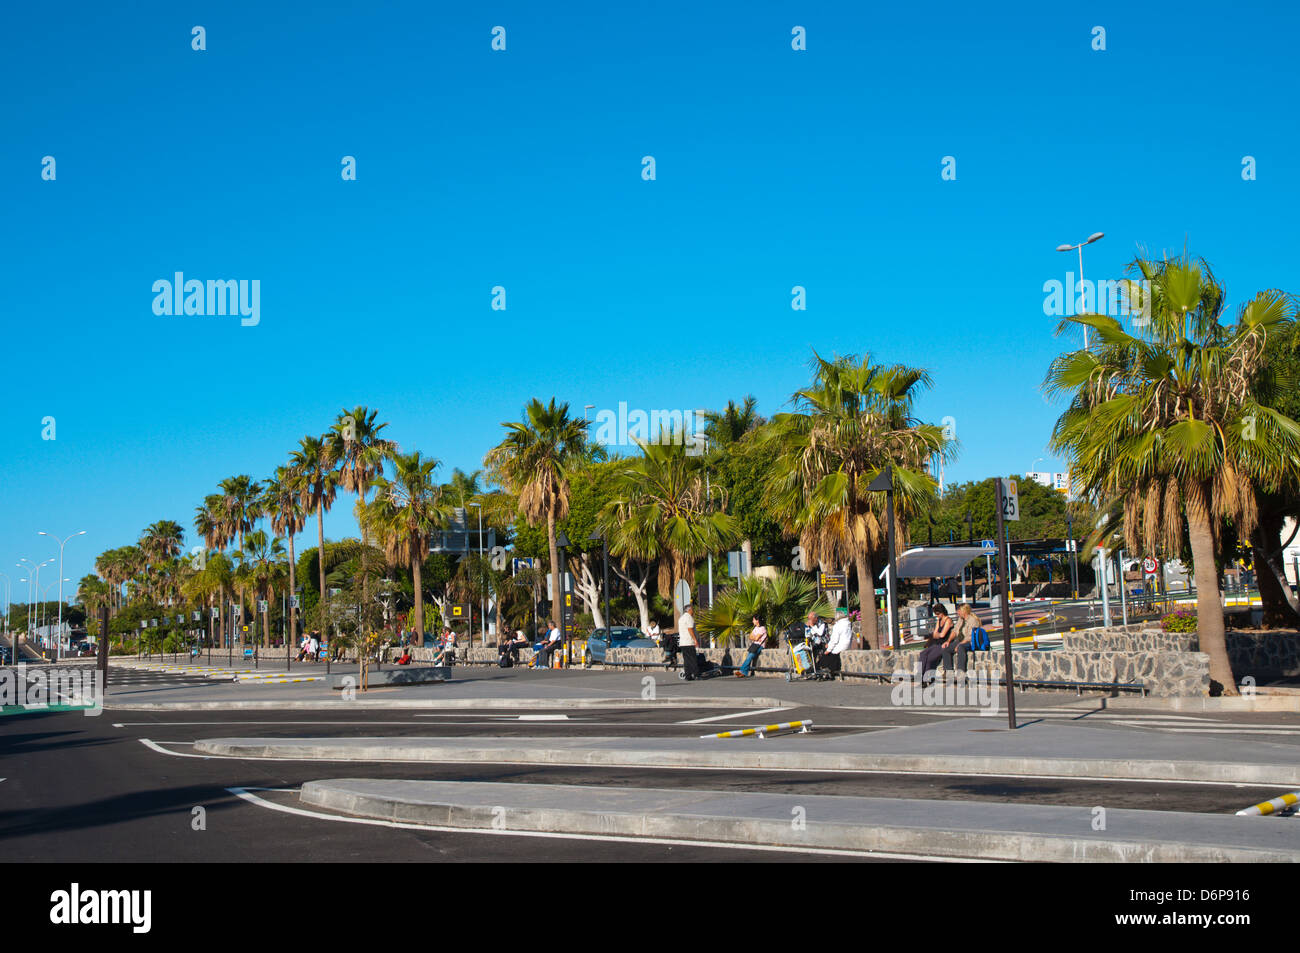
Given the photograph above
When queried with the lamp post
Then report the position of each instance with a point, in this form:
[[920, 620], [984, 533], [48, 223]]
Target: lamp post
[[1095, 236], [885, 483], [560, 587], [482, 607], [62, 543], [8, 593], [33, 587]]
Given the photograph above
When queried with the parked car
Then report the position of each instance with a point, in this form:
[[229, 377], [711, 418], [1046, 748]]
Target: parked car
[[619, 637]]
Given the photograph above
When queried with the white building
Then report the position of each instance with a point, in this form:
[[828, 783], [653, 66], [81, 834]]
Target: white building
[[1291, 554]]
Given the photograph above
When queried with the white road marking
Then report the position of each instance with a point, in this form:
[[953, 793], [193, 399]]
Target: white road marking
[[153, 746], [542, 717], [245, 794], [739, 714]]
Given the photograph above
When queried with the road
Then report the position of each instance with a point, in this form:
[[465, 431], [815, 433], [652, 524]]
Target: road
[[124, 785]]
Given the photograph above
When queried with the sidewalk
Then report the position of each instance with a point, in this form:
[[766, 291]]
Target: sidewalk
[[965, 746], [968, 829]]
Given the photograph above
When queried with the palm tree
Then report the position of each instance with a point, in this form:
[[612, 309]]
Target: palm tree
[[355, 447], [849, 425], [1165, 421], [405, 513], [779, 602], [733, 424], [209, 584], [282, 504], [242, 500], [263, 567], [663, 508], [533, 463], [317, 482]]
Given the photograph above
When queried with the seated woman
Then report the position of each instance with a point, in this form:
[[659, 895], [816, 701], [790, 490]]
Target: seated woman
[[405, 658], [933, 651]]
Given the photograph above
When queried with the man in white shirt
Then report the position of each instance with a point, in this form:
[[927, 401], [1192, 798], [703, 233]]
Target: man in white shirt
[[686, 643], [841, 635]]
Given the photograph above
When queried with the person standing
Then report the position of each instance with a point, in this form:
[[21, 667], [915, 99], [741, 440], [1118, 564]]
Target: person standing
[[757, 641], [686, 643]]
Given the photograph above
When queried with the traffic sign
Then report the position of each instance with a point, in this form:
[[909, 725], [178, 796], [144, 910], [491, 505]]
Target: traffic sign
[[1149, 565], [833, 581], [459, 610], [1010, 500], [988, 547]]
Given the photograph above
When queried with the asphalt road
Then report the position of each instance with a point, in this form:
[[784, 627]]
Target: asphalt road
[[80, 788]]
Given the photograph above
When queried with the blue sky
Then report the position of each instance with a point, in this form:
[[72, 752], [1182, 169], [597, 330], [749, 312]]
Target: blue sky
[[522, 169]]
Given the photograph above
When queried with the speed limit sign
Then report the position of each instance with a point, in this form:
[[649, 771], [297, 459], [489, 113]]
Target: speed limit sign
[[1010, 500], [1149, 565]]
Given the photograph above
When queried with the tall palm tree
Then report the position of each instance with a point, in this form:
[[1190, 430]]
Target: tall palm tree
[[210, 523], [354, 446], [405, 513], [733, 424], [262, 566], [283, 505], [318, 483], [664, 508], [848, 426], [533, 463], [242, 498], [1165, 421]]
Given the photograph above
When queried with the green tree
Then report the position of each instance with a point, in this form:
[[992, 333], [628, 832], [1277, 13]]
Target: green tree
[[1165, 423]]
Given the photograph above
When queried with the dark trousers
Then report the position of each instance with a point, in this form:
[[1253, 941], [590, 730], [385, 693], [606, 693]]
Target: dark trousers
[[690, 662], [962, 651], [829, 662], [930, 656]]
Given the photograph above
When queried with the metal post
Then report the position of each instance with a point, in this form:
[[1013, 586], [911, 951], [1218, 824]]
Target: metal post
[[893, 562], [1123, 587], [1009, 677], [604, 551], [1103, 559], [102, 661]]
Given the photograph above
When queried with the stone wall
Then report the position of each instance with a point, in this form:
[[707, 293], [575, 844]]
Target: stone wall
[[1162, 673]]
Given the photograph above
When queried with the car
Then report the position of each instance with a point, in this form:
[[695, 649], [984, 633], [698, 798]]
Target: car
[[619, 637]]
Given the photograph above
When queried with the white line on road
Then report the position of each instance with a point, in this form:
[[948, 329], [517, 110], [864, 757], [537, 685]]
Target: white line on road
[[152, 746], [739, 714], [542, 717], [245, 794]]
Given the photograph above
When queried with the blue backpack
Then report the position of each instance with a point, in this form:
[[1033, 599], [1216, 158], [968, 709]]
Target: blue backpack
[[979, 639]]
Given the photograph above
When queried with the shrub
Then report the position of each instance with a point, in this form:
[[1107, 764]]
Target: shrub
[[1184, 620]]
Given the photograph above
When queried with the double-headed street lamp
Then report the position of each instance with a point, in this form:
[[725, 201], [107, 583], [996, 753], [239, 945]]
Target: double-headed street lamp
[[33, 581], [62, 543], [1095, 236]]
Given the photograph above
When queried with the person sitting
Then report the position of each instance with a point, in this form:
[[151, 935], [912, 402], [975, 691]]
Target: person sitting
[[841, 635], [959, 640], [405, 657], [757, 640], [933, 651]]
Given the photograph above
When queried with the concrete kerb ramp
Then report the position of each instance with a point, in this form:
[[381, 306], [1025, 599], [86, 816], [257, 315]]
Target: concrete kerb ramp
[[413, 675], [982, 830]]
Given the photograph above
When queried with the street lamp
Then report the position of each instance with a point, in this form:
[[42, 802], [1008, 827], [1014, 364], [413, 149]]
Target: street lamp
[[482, 607], [33, 581], [58, 639], [8, 593], [1095, 236], [560, 588]]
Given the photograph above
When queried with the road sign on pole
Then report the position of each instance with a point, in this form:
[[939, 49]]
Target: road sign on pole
[[831, 581], [1009, 678], [989, 547], [1010, 506]]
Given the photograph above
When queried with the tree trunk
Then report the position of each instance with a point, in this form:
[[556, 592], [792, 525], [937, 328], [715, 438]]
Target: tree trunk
[[557, 584], [419, 599], [320, 565], [867, 622], [1281, 608], [292, 635], [1209, 603]]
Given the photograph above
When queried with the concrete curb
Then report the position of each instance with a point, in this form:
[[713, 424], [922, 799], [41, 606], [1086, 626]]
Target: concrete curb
[[347, 796], [454, 704], [745, 756], [1260, 702]]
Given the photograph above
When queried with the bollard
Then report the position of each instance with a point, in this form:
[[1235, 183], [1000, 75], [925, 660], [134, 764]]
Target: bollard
[[804, 728], [1286, 804]]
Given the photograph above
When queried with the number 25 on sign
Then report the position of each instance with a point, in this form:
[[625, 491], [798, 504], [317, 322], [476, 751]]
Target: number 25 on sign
[[1010, 500]]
